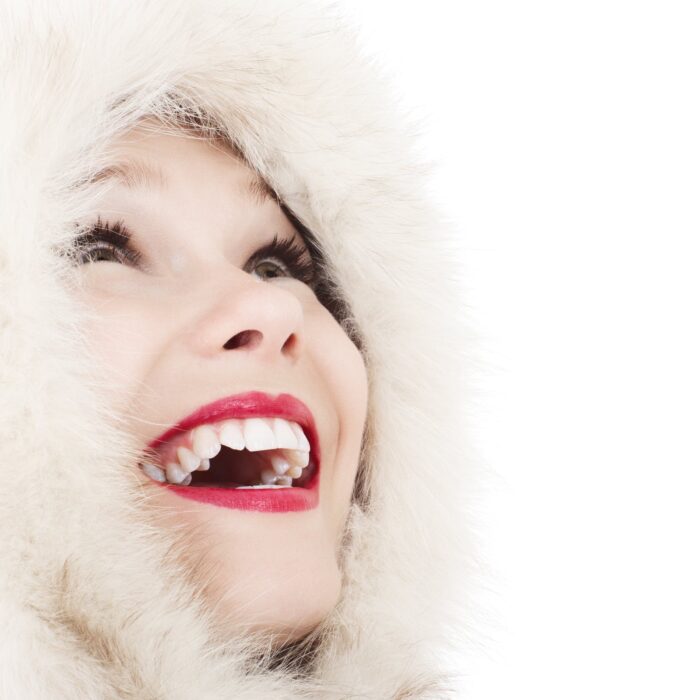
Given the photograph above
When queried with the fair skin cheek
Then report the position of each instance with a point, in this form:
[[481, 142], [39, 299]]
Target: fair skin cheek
[[160, 334]]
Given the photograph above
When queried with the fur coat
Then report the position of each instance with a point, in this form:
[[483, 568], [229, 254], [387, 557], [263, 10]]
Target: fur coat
[[88, 608]]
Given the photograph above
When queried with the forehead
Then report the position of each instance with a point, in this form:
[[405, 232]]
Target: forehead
[[142, 158], [173, 173]]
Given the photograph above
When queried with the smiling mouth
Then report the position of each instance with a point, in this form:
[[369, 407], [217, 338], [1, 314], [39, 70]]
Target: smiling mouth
[[249, 452]]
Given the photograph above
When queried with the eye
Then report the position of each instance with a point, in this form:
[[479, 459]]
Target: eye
[[269, 265], [295, 259], [106, 242]]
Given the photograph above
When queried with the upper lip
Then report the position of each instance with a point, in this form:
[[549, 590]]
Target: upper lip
[[251, 404]]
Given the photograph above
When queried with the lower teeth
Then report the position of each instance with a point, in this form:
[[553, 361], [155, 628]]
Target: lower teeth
[[157, 474], [265, 486]]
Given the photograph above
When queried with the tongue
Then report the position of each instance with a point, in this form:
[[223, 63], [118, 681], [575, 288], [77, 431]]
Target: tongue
[[232, 468]]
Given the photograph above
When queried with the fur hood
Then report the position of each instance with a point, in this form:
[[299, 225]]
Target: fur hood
[[92, 605]]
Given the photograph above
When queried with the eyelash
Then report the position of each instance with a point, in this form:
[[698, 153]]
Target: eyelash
[[115, 239]]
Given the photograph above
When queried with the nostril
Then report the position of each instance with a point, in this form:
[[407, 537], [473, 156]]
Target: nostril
[[291, 344], [243, 338]]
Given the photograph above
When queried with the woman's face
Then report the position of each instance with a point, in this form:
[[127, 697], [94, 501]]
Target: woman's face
[[161, 324]]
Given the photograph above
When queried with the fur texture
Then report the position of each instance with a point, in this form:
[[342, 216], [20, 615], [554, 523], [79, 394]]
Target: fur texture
[[92, 604]]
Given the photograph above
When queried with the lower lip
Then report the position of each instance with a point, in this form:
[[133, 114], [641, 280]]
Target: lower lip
[[263, 500]]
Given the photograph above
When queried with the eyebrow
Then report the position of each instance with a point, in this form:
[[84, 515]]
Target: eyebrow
[[137, 173]]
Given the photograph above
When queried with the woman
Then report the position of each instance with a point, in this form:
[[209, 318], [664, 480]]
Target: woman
[[232, 357]]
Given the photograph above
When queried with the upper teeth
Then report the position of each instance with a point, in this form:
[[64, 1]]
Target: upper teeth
[[252, 434], [193, 450]]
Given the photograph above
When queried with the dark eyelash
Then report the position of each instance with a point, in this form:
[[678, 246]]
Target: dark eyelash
[[116, 238], [292, 254]]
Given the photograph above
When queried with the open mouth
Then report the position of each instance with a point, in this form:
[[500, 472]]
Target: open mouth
[[254, 452], [231, 469], [248, 451]]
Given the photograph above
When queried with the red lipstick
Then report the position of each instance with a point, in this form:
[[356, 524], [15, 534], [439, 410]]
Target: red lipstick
[[252, 404]]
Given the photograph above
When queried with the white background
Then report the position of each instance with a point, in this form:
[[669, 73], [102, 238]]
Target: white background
[[568, 134]]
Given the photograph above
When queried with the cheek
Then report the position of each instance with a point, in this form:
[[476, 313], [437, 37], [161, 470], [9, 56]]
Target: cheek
[[342, 369], [120, 336], [339, 362]]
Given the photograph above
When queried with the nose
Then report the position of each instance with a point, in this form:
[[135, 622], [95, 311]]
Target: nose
[[249, 315]]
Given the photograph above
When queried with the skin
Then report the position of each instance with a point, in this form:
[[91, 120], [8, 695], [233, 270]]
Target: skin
[[159, 329]]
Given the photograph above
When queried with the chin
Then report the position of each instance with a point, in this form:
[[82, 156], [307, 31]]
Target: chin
[[284, 611]]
